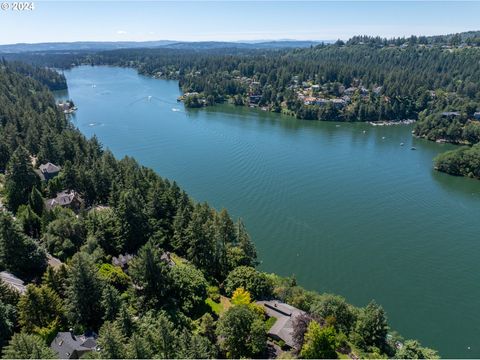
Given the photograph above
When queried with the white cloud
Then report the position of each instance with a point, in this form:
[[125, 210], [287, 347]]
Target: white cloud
[[121, 32]]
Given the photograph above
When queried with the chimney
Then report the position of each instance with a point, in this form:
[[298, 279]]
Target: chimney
[[71, 334]]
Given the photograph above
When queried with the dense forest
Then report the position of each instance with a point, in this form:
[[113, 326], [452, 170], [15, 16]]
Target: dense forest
[[132, 258]]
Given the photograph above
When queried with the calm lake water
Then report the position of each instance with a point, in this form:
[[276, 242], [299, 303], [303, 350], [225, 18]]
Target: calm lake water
[[347, 212]]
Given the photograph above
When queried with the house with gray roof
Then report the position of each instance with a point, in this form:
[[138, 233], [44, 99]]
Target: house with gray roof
[[13, 281], [285, 315], [70, 346], [122, 260], [66, 198], [48, 171]]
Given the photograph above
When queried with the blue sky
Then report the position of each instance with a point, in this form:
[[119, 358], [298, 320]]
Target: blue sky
[[233, 20]]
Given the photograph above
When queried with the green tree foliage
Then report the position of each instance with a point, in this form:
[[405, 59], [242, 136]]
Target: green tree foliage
[[19, 253], [103, 226], [56, 279], [111, 303], [160, 333], [20, 178], [242, 332], [464, 161], [30, 221], [84, 292], [199, 235], [189, 287], [64, 235], [320, 343], [133, 223], [124, 321], [193, 346], [111, 342], [114, 275], [7, 322], [372, 326], [335, 307], [39, 307], [25, 346], [8, 295], [151, 276], [253, 281], [412, 349], [36, 201]]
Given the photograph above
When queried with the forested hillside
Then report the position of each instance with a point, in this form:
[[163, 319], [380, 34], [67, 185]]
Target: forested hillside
[[132, 258]]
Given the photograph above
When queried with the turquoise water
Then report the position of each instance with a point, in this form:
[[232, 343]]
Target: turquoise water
[[347, 212]]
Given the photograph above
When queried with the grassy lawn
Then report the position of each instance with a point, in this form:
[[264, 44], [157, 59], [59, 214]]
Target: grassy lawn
[[217, 308], [269, 323]]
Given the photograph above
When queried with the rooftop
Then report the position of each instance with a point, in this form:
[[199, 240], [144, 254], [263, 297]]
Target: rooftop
[[70, 346], [285, 314], [49, 168], [13, 281]]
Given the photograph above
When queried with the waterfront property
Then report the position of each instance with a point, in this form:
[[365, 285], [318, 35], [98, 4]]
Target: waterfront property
[[285, 314]]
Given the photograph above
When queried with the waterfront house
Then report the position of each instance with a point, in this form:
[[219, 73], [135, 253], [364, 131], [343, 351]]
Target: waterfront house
[[254, 99], [338, 103], [47, 171], [285, 315], [69, 346], [450, 114], [13, 281], [66, 198]]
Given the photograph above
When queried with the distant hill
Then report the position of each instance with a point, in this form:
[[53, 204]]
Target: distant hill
[[98, 46]]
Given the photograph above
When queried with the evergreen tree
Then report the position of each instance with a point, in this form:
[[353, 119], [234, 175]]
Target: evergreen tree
[[151, 276], [111, 342], [7, 322], [20, 179], [39, 307], [199, 236], [111, 303], [372, 326], [36, 201], [133, 223], [25, 346], [19, 253], [320, 343], [84, 292], [30, 221]]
